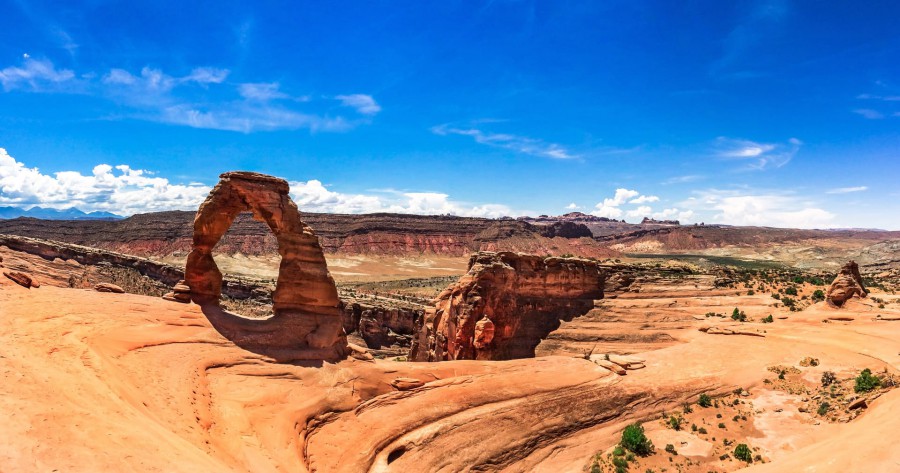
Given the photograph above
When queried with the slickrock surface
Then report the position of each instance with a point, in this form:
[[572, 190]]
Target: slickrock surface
[[504, 305], [307, 319], [120, 382], [847, 284]]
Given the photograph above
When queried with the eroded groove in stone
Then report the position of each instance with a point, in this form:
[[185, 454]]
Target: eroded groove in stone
[[307, 318]]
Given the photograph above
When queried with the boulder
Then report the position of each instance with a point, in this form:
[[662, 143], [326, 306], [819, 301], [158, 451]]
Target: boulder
[[405, 384], [108, 287], [20, 278], [484, 333], [845, 286]]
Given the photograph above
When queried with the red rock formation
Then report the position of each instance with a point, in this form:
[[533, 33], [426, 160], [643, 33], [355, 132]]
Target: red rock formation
[[847, 284], [108, 287], [505, 305], [307, 319]]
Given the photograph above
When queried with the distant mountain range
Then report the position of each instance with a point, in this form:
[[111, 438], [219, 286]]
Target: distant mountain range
[[54, 214]]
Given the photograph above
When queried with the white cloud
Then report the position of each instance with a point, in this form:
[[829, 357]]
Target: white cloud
[[313, 196], [644, 199], [682, 179], [519, 144], [847, 190], [573, 206], [124, 191], [642, 211], [759, 209], [207, 75], [363, 103], [760, 155], [869, 113], [35, 74]]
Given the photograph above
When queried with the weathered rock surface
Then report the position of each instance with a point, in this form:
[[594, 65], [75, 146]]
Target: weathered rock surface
[[307, 319], [109, 287], [524, 297], [847, 284], [405, 384], [380, 326]]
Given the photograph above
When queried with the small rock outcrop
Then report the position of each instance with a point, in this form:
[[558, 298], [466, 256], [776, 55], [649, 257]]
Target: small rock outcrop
[[505, 305], [847, 284], [307, 316]]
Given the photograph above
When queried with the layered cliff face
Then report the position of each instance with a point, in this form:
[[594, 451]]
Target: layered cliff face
[[505, 305], [164, 234]]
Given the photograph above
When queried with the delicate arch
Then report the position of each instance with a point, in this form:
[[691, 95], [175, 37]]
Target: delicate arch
[[305, 301]]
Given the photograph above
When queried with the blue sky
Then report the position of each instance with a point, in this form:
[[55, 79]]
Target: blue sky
[[771, 113]]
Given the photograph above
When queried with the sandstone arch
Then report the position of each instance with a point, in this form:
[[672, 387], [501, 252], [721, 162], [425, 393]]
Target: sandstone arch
[[307, 320]]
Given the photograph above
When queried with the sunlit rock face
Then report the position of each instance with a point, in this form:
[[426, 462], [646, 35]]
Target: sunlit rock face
[[505, 305]]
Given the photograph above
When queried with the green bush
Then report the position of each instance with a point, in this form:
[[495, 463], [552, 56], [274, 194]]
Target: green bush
[[823, 408], [619, 451], [828, 378], [705, 401], [768, 320], [621, 464], [742, 452], [634, 439], [791, 291], [866, 381], [701, 430], [721, 425], [738, 315], [671, 449], [674, 422], [818, 295]]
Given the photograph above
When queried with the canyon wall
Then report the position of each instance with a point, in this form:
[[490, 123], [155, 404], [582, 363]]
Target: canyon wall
[[505, 305]]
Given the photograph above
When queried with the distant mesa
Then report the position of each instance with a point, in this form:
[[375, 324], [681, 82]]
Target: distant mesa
[[653, 221], [307, 318], [847, 284]]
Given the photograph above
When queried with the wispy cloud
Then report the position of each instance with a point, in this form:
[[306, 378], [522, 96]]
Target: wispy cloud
[[683, 179], [519, 144], [737, 60], [363, 103], [869, 113], [34, 75], [760, 156], [202, 98], [847, 190]]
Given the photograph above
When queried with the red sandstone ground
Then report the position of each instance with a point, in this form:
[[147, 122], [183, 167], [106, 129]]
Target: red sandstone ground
[[111, 382]]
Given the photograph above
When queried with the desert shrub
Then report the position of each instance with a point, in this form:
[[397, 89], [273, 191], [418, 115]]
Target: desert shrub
[[705, 401], [687, 408], [768, 320], [701, 430], [738, 315], [866, 381], [595, 468], [791, 291], [618, 451], [674, 422], [721, 425], [719, 415], [776, 296], [750, 292], [742, 452], [634, 439], [818, 295], [823, 408], [693, 427], [621, 464], [828, 378], [671, 449]]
